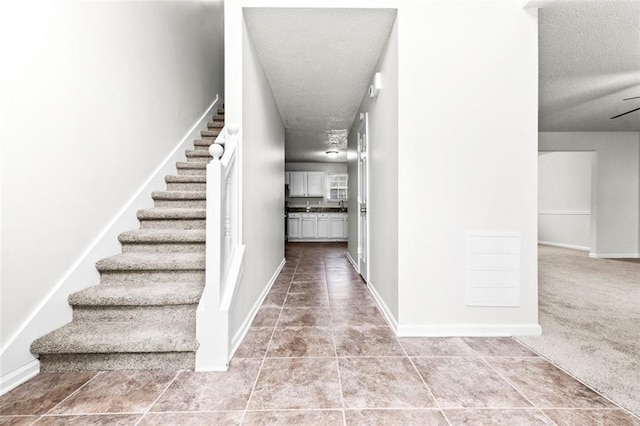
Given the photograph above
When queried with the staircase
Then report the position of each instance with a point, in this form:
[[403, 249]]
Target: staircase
[[142, 315]]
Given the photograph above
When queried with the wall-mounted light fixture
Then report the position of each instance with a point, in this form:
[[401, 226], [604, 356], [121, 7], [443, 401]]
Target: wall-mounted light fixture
[[376, 85], [332, 153]]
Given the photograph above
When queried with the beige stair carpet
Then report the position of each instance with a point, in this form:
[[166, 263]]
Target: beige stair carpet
[[142, 314]]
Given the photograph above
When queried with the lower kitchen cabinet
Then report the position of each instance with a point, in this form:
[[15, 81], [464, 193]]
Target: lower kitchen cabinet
[[293, 226], [308, 225], [317, 226], [323, 225]]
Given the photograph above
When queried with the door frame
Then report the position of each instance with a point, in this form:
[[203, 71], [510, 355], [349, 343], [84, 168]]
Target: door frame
[[363, 197]]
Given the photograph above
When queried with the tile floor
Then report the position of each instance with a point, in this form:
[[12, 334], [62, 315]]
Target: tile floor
[[319, 352]]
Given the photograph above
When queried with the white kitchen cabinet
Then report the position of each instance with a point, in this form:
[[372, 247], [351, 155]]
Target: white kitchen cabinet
[[293, 226], [308, 225], [338, 225], [323, 227], [315, 184], [297, 184], [306, 184]]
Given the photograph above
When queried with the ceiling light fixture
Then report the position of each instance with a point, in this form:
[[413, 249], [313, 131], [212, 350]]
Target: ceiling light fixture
[[332, 153]]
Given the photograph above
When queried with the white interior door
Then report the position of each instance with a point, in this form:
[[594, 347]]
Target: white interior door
[[363, 195]]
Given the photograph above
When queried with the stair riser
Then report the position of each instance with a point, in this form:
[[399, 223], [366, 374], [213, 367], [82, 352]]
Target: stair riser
[[173, 224], [200, 159], [174, 186], [209, 133], [136, 313], [163, 247], [201, 147], [57, 363], [215, 125], [192, 204], [113, 277], [192, 172]]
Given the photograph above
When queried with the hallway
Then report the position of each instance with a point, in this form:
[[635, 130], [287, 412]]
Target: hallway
[[319, 352]]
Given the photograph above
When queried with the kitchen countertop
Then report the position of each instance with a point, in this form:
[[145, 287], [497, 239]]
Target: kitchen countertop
[[317, 210]]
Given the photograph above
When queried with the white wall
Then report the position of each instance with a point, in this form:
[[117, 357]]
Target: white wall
[[467, 158], [564, 198], [95, 95], [382, 204], [262, 154], [467, 150], [616, 192]]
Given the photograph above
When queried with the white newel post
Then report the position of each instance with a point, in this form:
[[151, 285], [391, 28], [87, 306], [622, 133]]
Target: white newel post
[[223, 267], [212, 324]]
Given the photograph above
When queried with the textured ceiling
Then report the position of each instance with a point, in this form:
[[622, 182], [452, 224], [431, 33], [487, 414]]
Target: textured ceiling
[[589, 62], [319, 63]]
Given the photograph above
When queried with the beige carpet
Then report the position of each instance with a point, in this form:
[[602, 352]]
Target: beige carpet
[[590, 318]]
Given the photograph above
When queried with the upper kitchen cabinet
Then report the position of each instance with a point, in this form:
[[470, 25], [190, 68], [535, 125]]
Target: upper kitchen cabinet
[[306, 184]]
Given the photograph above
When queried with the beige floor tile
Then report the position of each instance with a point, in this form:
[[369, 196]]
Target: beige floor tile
[[436, 346], [255, 343], [211, 391], [498, 346], [127, 391], [382, 383], [302, 342], [42, 393], [297, 383], [226, 418], [294, 418], [494, 417], [305, 317], [458, 382], [547, 386], [414, 417], [94, 419], [615, 417], [367, 341]]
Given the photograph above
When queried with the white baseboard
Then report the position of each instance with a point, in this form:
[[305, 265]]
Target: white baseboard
[[614, 255], [568, 246], [353, 262], [386, 312], [19, 376], [485, 330], [54, 310], [239, 336]]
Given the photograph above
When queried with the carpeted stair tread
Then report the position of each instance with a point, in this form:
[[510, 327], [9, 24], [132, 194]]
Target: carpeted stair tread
[[191, 153], [185, 179], [171, 213], [190, 165], [203, 142], [210, 133], [117, 337], [163, 236], [217, 124], [138, 294], [179, 195], [152, 262]]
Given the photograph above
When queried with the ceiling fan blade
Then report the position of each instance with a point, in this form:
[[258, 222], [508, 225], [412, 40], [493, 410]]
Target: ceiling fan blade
[[625, 113], [635, 97]]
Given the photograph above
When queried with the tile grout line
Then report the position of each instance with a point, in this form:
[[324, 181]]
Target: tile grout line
[[99, 373], [423, 381], [158, 398], [512, 385], [335, 346], [266, 351]]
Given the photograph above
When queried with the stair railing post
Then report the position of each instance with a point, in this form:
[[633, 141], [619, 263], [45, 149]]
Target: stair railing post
[[214, 224]]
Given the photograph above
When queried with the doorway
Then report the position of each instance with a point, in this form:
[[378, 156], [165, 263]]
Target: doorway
[[363, 196]]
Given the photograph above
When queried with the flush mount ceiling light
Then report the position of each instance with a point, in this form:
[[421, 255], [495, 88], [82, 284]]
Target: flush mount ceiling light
[[332, 153]]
